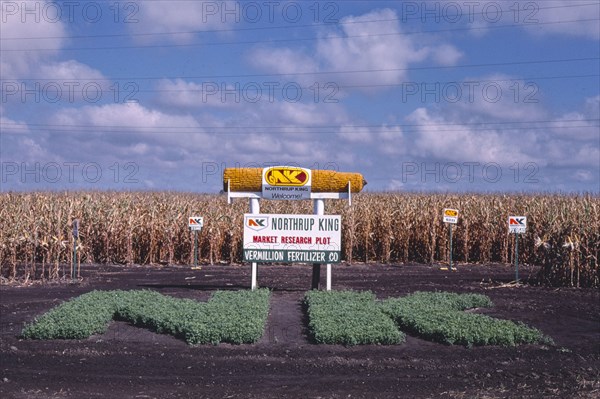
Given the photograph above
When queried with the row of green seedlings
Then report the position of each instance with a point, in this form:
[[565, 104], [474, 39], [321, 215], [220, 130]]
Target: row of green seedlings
[[236, 317], [338, 317], [354, 318]]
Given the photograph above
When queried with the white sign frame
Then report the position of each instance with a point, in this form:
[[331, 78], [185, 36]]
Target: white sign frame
[[195, 223], [517, 228]]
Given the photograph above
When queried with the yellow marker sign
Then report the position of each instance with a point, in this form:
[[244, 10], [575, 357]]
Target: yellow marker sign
[[450, 216]]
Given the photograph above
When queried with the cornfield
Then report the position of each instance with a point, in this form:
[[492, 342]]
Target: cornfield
[[563, 234]]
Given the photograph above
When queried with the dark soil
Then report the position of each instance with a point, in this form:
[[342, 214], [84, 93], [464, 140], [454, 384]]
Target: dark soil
[[130, 362]]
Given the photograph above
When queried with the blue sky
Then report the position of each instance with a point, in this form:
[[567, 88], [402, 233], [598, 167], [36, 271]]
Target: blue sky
[[447, 96]]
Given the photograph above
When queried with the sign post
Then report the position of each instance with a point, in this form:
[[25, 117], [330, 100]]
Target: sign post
[[195, 224], [75, 269], [450, 217], [254, 210], [517, 225]]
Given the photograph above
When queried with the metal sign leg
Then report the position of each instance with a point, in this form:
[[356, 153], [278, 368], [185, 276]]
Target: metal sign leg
[[319, 209], [255, 210]]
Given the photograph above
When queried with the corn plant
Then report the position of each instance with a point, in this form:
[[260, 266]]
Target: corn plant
[[151, 228]]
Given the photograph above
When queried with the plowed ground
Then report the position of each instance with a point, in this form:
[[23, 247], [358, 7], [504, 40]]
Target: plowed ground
[[130, 362]]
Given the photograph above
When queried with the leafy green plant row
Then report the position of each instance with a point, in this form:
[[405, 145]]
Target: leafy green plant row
[[229, 316], [440, 317], [349, 318]]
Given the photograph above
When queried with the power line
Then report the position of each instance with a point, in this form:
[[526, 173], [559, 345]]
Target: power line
[[468, 82], [338, 132], [481, 125], [494, 64], [294, 39], [261, 28]]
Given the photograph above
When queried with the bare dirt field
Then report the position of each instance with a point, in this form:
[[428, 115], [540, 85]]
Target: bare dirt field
[[130, 362]]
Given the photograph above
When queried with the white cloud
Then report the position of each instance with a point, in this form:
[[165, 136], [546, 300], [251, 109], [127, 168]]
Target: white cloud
[[180, 93], [386, 57], [9, 126], [379, 48], [355, 134], [446, 134], [70, 70], [576, 18], [21, 31], [183, 18], [586, 12], [395, 185], [447, 140], [447, 55], [498, 96], [130, 129], [583, 176]]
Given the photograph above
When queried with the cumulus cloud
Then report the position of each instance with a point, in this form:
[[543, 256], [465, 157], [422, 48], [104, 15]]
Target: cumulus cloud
[[498, 96], [447, 140], [22, 31], [550, 13], [183, 19], [372, 42], [445, 135], [185, 94], [575, 18]]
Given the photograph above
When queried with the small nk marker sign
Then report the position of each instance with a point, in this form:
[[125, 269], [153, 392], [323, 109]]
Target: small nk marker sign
[[196, 222], [517, 224], [450, 216]]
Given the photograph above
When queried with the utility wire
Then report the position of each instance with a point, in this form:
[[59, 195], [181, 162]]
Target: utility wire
[[261, 28], [308, 73]]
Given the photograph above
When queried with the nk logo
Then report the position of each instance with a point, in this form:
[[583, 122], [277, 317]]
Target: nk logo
[[517, 224], [286, 176], [517, 221], [257, 223]]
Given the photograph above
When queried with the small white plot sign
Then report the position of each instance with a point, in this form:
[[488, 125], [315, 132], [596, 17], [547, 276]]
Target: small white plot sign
[[517, 224], [196, 222], [450, 216]]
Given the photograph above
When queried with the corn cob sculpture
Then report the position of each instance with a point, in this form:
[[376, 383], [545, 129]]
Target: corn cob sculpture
[[323, 181]]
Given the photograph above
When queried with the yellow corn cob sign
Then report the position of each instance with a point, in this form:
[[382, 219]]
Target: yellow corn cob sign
[[316, 181]]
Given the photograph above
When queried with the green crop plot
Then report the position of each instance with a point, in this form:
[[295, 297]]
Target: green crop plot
[[349, 318], [354, 318], [440, 317], [229, 316]]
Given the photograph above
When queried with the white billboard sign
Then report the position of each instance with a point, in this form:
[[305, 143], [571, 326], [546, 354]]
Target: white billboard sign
[[292, 238]]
